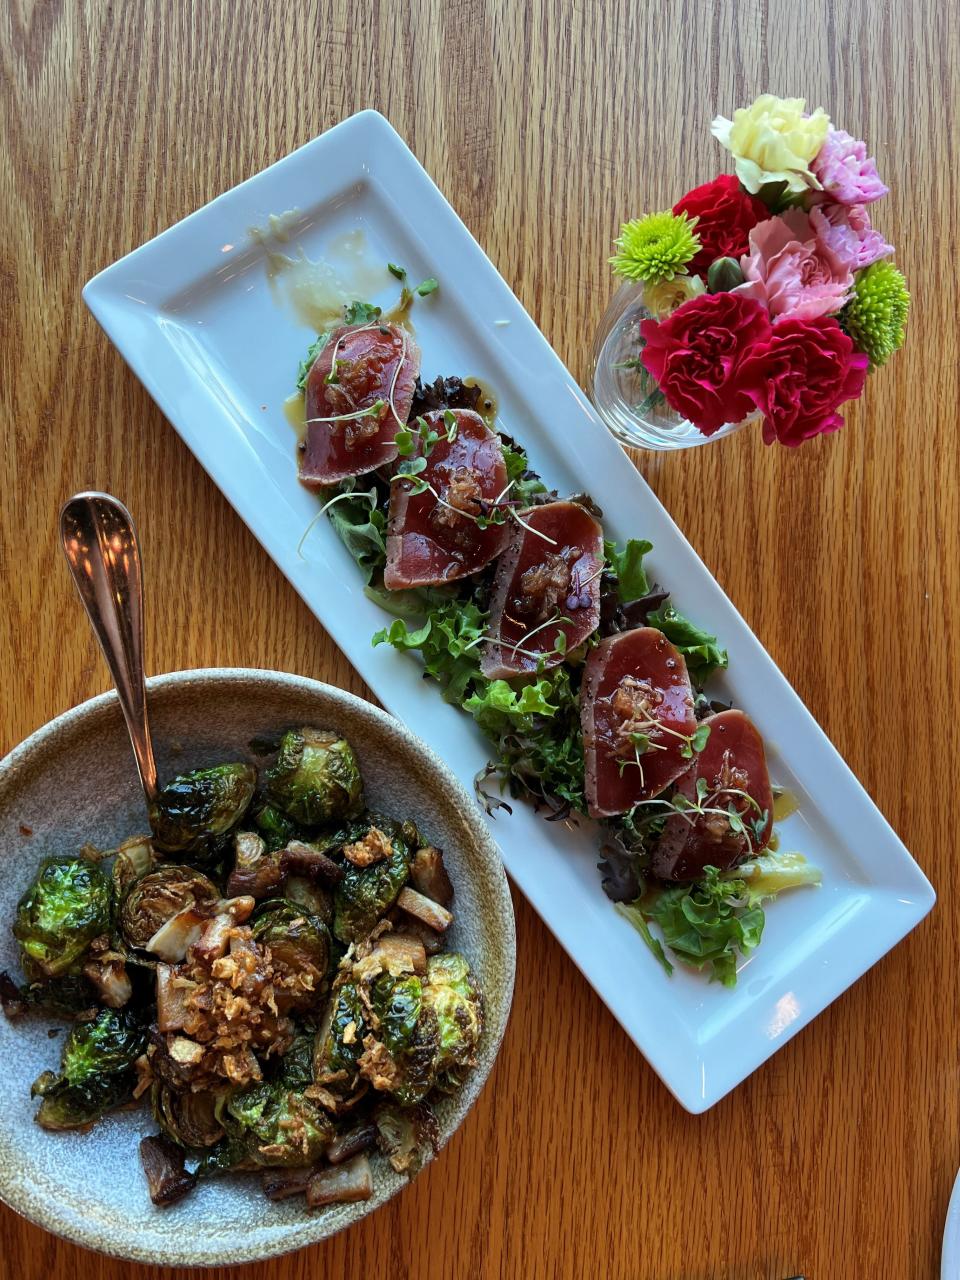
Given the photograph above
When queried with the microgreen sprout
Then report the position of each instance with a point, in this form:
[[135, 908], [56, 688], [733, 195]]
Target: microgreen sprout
[[333, 376], [404, 442], [399, 272], [370, 497], [530, 529], [371, 411], [641, 739], [429, 285], [557, 620], [710, 802]]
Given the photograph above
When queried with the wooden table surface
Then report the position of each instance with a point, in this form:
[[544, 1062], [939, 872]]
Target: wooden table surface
[[545, 122]]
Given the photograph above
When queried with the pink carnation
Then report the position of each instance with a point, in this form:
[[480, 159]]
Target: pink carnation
[[792, 272], [846, 231], [845, 171]]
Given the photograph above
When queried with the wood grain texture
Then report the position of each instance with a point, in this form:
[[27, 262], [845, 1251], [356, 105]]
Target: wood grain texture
[[546, 122]]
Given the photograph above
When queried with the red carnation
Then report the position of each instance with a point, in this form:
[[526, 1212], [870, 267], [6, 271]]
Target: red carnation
[[726, 215], [799, 376], [694, 355]]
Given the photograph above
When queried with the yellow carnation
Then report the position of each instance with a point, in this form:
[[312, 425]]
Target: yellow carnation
[[773, 141], [663, 296]]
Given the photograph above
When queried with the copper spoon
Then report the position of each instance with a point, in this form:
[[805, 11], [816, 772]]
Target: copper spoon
[[103, 552]]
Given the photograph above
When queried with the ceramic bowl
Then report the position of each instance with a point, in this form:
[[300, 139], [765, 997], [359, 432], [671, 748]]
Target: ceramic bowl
[[74, 781]]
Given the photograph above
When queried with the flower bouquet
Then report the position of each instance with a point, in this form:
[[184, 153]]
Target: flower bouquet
[[767, 293]]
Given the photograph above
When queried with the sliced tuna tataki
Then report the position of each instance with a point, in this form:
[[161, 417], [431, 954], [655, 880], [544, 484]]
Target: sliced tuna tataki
[[547, 584], [636, 711], [374, 362], [433, 537], [731, 763]]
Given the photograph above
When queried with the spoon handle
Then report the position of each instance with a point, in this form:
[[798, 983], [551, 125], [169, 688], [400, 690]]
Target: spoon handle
[[100, 543]]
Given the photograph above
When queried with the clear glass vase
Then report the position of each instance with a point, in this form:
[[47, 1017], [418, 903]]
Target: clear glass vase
[[623, 392]]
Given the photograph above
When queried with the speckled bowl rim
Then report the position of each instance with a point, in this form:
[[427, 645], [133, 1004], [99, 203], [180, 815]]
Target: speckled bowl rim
[[23, 1198]]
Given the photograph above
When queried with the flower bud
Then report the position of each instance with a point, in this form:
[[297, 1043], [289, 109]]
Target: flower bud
[[724, 275]]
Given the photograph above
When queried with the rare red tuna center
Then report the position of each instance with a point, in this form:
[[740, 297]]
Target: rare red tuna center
[[358, 395], [732, 769], [433, 534], [636, 708], [546, 593]]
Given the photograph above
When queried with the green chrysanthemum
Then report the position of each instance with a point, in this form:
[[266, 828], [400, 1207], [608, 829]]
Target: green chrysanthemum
[[656, 247], [876, 315]]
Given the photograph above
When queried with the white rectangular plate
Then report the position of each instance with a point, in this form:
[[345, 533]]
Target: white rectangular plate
[[209, 334]]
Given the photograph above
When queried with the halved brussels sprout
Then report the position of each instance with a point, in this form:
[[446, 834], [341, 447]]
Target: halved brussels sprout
[[398, 1003], [276, 828], [312, 897], [189, 1118], [96, 1071], [66, 996], [406, 1136], [230, 1155], [157, 897], [195, 810], [66, 907], [450, 992], [134, 859], [287, 1129], [339, 1042], [316, 777], [296, 1065], [366, 893], [298, 942], [410, 1033]]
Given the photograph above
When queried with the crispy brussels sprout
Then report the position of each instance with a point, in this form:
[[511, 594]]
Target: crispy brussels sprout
[[450, 992], [406, 1136], [410, 1033], [96, 1071], [276, 828], [285, 1127], [230, 1155], [398, 1003], [157, 897], [65, 997], [298, 941], [312, 897], [296, 1065], [316, 777], [339, 1042], [366, 893], [134, 859], [189, 1118], [196, 810], [66, 907]]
